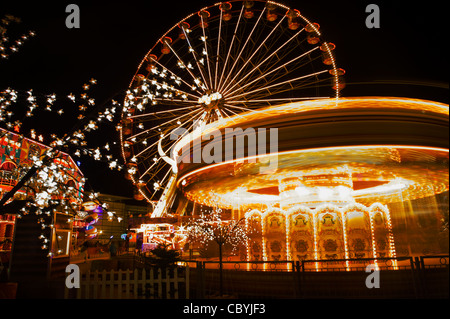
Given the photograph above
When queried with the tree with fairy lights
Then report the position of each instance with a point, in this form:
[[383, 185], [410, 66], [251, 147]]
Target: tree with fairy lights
[[45, 182], [211, 228]]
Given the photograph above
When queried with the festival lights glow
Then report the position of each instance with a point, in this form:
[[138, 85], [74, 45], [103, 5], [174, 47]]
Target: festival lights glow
[[181, 83], [322, 203]]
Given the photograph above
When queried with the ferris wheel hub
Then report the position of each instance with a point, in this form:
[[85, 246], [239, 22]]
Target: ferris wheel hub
[[210, 99]]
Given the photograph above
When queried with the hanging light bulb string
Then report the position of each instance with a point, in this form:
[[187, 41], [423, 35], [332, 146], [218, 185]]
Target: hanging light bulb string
[[5, 50], [74, 136], [46, 179], [30, 173]]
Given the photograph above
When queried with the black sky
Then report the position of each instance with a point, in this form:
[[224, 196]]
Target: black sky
[[406, 57]]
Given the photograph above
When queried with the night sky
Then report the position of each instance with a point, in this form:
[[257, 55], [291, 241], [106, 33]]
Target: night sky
[[406, 57]]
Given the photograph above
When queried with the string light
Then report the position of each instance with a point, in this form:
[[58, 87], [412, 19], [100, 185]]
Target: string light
[[210, 227], [51, 188], [382, 232], [9, 97], [9, 46]]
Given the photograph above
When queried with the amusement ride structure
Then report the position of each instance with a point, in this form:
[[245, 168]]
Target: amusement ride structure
[[359, 177]]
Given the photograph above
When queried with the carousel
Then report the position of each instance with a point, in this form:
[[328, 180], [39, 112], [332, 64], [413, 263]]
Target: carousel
[[362, 178]]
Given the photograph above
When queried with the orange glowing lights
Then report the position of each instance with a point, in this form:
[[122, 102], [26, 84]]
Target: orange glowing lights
[[325, 232]]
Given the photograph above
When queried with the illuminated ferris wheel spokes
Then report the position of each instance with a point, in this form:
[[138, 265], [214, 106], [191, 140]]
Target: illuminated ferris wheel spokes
[[223, 60]]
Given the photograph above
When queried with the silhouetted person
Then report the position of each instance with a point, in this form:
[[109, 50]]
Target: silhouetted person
[[113, 249]]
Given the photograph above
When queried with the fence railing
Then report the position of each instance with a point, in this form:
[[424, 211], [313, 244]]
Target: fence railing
[[357, 264], [411, 277], [85, 255], [280, 265], [171, 283], [434, 261], [401, 277], [352, 264]]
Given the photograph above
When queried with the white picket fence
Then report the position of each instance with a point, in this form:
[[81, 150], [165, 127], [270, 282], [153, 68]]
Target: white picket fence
[[132, 284]]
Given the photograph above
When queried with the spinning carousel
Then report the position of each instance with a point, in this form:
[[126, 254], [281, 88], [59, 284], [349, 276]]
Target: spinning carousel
[[366, 178], [360, 177]]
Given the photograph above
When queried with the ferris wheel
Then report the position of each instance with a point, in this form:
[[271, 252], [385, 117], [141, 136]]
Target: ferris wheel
[[225, 59]]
